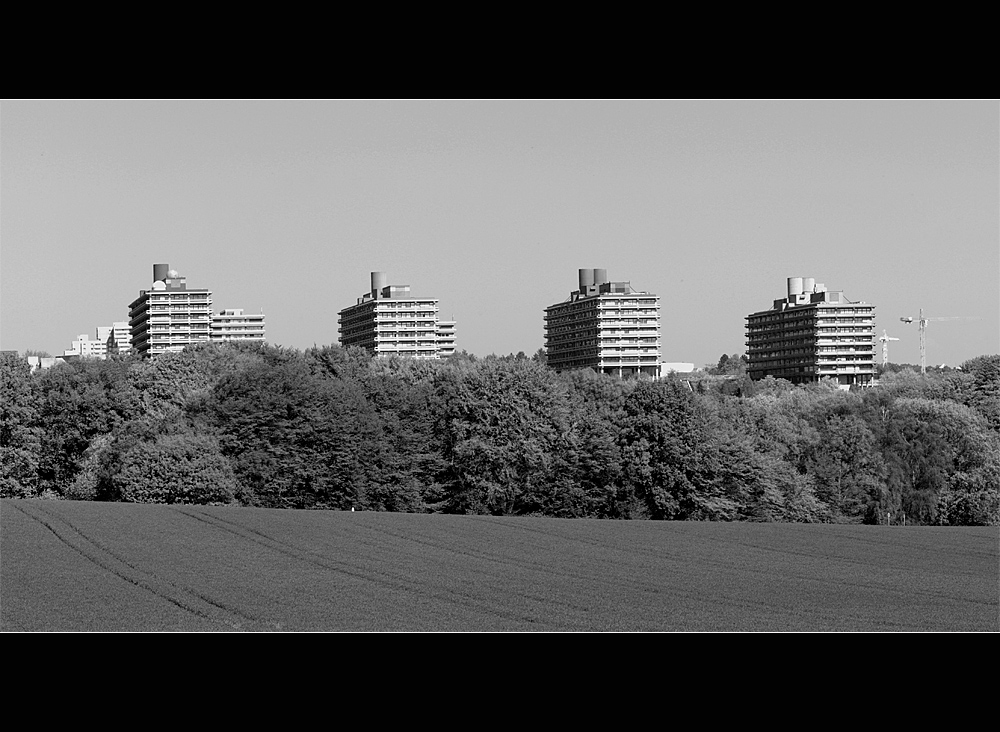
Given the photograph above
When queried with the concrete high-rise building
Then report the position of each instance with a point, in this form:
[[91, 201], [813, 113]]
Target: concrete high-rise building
[[810, 334], [605, 326], [235, 325], [169, 316], [388, 320]]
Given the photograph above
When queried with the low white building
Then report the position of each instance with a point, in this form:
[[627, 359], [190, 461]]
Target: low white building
[[235, 325], [446, 338], [43, 362], [84, 347], [111, 339], [116, 337]]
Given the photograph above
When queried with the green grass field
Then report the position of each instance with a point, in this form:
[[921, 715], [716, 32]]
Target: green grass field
[[72, 566]]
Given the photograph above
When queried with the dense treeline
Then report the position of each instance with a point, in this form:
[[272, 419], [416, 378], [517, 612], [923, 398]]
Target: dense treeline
[[334, 428]]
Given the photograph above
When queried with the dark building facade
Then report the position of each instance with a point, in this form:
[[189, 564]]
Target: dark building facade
[[811, 334], [605, 326]]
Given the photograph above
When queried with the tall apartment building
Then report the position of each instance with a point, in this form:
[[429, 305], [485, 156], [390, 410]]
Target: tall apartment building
[[605, 326], [810, 334], [235, 325], [388, 320], [169, 316]]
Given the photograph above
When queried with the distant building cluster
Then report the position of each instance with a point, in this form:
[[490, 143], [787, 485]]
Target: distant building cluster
[[166, 317], [608, 326], [170, 316], [110, 339]]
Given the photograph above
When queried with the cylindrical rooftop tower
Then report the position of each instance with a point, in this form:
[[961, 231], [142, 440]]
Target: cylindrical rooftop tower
[[808, 284], [379, 281], [160, 272], [794, 286], [586, 279], [600, 276]]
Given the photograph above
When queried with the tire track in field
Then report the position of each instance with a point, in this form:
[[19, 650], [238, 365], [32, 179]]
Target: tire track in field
[[382, 579], [611, 581], [877, 585], [182, 597], [670, 592], [490, 557], [742, 599], [12, 625], [782, 551], [539, 565], [622, 585]]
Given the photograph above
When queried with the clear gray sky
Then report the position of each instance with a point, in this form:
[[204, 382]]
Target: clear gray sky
[[492, 206]]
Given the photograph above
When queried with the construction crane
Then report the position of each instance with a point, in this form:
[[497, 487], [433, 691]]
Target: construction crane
[[922, 324], [885, 347]]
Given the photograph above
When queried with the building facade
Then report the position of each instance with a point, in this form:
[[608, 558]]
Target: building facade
[[169, 316], [811, 334], [235, 325], [108, 339], [44, 362], [117, 337], [605, 326], [446, 338], [388, 320], [84, 347]]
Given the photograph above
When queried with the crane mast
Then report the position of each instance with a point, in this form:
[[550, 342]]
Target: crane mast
[[922, 327], [885, 347]]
